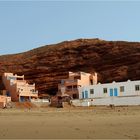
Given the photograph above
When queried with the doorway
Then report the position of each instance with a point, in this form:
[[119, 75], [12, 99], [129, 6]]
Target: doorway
[[114, 92]]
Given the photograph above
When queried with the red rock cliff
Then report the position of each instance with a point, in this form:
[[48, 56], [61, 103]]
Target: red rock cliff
[[112, 60]]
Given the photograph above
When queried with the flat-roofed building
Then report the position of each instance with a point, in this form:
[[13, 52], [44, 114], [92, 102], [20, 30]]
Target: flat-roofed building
[[18, 88], [115, 93], [69, 86], [4, 101]]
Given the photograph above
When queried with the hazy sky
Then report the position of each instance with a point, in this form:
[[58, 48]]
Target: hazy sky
[[26, 25]]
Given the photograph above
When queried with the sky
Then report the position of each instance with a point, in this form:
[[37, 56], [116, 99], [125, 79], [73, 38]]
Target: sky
[[25, 25]]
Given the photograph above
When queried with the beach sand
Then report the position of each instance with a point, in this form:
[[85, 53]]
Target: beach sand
[[71, 123]]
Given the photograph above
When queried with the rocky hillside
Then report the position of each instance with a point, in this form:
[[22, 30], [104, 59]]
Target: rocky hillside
[[112, 60]]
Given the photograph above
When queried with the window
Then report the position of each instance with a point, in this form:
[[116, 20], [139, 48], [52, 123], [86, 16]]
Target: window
[[32, 90], [137, 87], [91, 91], [83, 95], [75, 96], [104, 90], [111, 92], [69, 88], [115, 92], [75, 87], [122, 89]]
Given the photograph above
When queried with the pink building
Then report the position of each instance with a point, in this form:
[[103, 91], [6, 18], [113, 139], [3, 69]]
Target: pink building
[[69, 87], [4, 101], [18, 88]]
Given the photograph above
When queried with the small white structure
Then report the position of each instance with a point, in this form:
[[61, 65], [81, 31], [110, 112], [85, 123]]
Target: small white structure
[[116, 93]]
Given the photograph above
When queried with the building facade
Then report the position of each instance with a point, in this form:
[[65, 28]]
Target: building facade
[[4, 101], [18, 88], [69, 86], [117, 93]]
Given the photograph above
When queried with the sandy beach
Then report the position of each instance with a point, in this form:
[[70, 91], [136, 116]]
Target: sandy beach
[[74, 123]]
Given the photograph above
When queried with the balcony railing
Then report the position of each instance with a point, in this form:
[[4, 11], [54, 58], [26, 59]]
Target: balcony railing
[[71, 91], [71, 80], [74, 89], [34, 92], [68, 83]]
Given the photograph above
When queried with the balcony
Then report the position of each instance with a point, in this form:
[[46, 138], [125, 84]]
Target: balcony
[[72, 91], [28, 94], [34, 92], [70, 82], [67, 83]]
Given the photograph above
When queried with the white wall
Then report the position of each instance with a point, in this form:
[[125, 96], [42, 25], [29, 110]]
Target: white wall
[[117, 101], [129, 89], [85, 102]]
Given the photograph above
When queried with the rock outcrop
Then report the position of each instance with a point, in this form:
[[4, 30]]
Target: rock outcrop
[[112, 60]]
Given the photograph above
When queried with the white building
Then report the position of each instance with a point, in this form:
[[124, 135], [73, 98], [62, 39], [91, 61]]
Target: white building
[[116, 93]]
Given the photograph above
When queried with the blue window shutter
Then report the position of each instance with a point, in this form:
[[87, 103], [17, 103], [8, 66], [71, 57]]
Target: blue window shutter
[[111, 92], [86, 94], [83, 95], [115, 92]]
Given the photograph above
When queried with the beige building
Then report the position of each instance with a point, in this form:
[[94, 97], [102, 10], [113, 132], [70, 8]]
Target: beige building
[[4, 101], [69, 87], [18, 88]]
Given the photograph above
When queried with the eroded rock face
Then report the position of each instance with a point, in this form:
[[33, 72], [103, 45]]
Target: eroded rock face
[[113, 61]]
